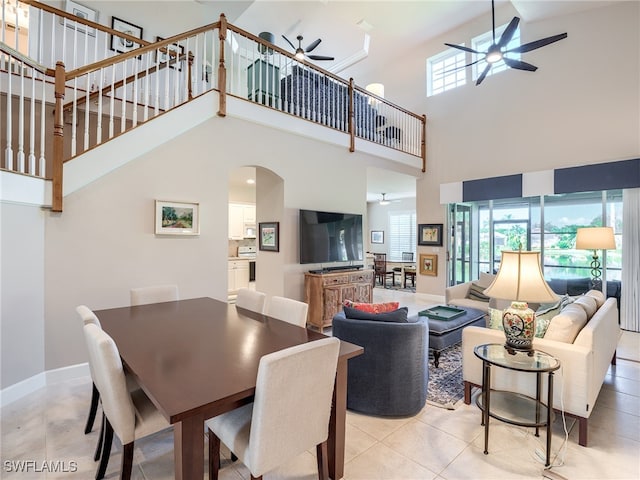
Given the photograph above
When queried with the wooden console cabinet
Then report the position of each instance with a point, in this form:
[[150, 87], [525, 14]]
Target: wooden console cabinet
[[325, 292]]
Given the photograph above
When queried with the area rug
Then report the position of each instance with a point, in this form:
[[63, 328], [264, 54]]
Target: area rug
[[445, 387]]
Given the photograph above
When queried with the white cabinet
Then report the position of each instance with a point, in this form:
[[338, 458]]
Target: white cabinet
[[241, 216], [238, 275]]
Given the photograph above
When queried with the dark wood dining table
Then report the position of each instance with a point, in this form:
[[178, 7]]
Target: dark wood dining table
[[198, 358]]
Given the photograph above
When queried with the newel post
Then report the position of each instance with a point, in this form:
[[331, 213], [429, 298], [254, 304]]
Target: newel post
[[58, 139], [352, 126], [222, 71], [190, 75], [423, 143]]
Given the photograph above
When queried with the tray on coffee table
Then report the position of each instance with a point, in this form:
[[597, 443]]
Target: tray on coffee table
[[442, 312]]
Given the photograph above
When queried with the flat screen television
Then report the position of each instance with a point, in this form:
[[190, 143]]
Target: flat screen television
[[330, 237]]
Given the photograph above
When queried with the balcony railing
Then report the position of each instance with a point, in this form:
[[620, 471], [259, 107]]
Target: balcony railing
[[54, 110]]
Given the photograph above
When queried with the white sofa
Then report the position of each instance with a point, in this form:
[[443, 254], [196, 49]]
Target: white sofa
[[458, 295], [584, 364]]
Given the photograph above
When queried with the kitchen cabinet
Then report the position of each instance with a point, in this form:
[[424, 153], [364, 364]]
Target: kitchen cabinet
[[240, 217], [238, 275]]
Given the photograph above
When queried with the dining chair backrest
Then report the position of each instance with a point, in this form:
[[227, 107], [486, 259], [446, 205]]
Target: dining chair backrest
[[407, 256], [87, 315], [110, 380], [288, 310], [153, 294], [285, 425], [251, 300]]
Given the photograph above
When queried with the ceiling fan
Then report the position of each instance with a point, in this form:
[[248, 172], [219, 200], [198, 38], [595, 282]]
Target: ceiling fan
[[301, 53], [497, 52], [384, 201]]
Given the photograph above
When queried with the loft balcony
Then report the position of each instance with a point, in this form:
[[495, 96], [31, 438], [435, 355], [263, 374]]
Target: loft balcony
[[92, 83]]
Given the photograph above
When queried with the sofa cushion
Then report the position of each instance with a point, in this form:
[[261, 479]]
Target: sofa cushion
[[485, 279], [598, 295], [476, 292], [372, 307], [589, 304], [495, 319], [396, 316], [565, 326]]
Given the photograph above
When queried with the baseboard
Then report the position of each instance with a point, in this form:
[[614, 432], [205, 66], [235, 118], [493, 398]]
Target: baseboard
[[32, 384]]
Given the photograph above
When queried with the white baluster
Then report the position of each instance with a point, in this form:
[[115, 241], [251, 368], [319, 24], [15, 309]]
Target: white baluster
[[112, 100], [32, 126], [99, 123], [43, 103], [123, 101], [87, 106], [74, 118], [20, 156]]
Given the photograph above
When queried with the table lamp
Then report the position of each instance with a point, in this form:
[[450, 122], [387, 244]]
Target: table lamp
[[520, 280], [595, 238]]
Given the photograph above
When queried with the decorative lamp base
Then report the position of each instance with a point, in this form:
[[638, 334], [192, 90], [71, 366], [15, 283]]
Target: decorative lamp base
[[519, 323]]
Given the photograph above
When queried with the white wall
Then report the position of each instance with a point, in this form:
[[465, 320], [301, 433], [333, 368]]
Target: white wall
[[582, 106], [103, 244]]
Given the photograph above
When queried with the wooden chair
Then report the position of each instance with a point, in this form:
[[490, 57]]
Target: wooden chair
[[381, 271], [153, 294], [251, 300], [131, 415], [280, 425], [288, 310]]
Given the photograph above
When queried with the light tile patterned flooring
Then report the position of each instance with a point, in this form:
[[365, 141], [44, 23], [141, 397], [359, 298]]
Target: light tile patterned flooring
[[435, 444]]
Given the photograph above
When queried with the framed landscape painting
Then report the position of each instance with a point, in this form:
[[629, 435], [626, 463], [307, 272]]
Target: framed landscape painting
[[177, 218], [268, 236], [377, 236]]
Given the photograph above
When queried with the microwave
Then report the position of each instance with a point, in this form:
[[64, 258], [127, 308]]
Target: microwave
[[249, 230]]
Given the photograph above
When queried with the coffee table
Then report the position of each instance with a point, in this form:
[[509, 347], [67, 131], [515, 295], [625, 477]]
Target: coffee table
[[446, 333]]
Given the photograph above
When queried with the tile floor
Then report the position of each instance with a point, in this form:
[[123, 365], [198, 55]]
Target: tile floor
[[435, 444]]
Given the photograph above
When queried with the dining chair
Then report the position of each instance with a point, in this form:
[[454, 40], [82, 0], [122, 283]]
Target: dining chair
[[288, 310], [88, 317], [130, 415], [251, 300], [289, 414], [381, 270], [153, 294]]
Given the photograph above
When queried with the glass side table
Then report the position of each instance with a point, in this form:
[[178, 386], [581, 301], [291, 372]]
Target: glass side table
[[515, 408]]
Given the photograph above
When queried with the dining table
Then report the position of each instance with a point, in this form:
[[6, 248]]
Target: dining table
[[198, 358]]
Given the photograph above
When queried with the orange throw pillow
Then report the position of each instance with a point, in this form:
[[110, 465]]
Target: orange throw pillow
[[373, 307]]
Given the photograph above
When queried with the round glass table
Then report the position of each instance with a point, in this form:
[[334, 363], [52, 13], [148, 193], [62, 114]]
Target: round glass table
[[511, 407]]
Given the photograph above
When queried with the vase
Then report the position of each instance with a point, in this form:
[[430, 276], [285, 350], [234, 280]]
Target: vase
[[519, 323]]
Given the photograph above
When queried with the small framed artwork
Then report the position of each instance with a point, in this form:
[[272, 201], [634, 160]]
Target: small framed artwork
[[377, 236], [268, 235], [429, 264], [177, 218], [81, 11], [124, 45], [175, 51], [430, 234]]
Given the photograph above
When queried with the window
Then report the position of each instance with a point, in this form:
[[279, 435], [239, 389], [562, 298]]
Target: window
[[402, 235], [482, 43], [445, 71]]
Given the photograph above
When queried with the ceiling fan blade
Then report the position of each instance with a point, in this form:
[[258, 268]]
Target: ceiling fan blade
[[462, 47], [483, 74], [320, 57], [519, 65], [289, 42], [313, 45], [507, 35], [527, 47], [446, 72]]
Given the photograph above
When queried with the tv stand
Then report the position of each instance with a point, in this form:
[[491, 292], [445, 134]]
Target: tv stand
[[325, 290]]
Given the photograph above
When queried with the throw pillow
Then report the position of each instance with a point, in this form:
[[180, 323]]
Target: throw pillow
[[372, 307], [396, 316], [589, 304], [565, 326], [598, 295], [476, 292], [545, 313], [495, 319], [485, 279]]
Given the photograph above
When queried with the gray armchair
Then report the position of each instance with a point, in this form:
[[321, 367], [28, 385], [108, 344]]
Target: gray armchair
[[390, 378]]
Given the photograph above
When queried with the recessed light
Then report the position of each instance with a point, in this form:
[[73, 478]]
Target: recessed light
[[251, 181]]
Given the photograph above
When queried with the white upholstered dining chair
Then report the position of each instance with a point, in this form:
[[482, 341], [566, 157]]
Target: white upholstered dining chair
[[251, 300], [288, 310], [289, 415], [88, 317], [131, 415], [153, 294]]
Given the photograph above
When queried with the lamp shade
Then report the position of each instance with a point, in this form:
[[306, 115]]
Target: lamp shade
[[595, 238], [520, 279]]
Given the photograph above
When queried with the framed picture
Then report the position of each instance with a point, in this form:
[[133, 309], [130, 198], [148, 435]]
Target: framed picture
[[377, 236], [80, 11], [177, 218], [429, 264], [268, 235], [430, 234], [174, 60], [124, 45]]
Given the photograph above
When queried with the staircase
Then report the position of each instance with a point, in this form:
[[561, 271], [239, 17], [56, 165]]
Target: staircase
[[77, 94]]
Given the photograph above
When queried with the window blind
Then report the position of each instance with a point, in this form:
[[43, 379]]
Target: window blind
[[402, 234]]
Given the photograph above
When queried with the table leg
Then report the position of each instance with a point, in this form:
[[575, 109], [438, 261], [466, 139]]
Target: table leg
[[336, 442], [486, 387], [188, 444], [549, 409], [538, 392]]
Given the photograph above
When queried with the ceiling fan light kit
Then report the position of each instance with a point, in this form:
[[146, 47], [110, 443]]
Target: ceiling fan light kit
[[497, 52], [301, 53]]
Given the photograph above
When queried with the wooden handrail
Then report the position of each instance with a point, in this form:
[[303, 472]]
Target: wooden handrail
[[26, 60], [387, 102]]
